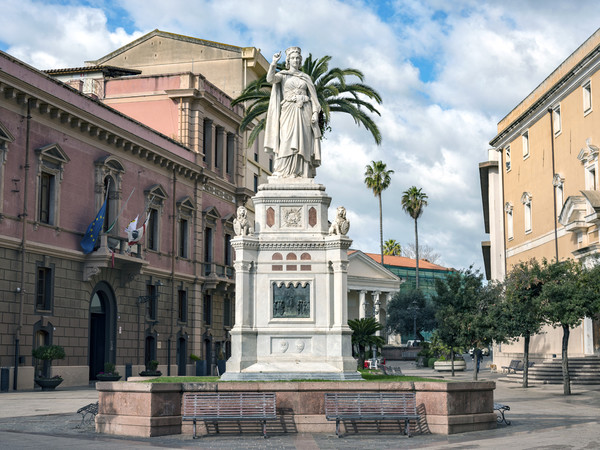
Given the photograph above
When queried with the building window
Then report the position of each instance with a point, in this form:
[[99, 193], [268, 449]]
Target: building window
[[208, 244], [508, 158], [227, 312], [152, 304], [271, 165], [591, 184], [508, 208], [46, 198], [557, 120], [185, 213], [182, 305], [207, 309], [51, 162], [558, 183], [255, 183], [44, 288], [207, 142], [183, 238], [527, 214], [108, 176], [155, 199], [587, 97], [153, 230], [230, 153], [256, 150], [525, 139], [228, 249]]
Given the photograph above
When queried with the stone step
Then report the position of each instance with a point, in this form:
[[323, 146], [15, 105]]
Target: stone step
[[585, 370]]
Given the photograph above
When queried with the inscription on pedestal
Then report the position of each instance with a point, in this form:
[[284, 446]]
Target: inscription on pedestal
[[291, 301]]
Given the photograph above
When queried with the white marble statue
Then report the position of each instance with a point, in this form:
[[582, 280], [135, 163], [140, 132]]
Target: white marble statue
[[340, 225], [241, 224], [292, 128]]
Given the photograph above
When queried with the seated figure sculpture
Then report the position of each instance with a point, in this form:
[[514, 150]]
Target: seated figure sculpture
[[340, 225], [241, 224]]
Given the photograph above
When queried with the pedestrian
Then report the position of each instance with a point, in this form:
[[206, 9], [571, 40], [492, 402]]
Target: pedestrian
[[479, 357]]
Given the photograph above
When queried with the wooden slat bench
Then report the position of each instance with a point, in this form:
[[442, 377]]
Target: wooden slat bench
[[376, 406], [233, 406], [514, 366]]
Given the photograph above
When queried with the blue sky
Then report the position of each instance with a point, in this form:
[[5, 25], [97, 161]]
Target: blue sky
[[447, 72]]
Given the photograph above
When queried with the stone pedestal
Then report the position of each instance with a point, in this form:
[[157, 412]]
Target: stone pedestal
[[291, 290]]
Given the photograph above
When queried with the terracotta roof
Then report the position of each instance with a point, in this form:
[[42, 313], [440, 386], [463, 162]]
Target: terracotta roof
[[403, 261], [111, 71]]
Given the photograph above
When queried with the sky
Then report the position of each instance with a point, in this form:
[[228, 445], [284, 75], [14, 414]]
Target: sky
[[448, 72]]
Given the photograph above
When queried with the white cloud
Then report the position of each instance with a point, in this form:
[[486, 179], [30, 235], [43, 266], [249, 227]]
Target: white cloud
[[485, 57]]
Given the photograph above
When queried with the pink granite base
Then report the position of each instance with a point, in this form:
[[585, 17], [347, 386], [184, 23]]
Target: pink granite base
[[154, 409]]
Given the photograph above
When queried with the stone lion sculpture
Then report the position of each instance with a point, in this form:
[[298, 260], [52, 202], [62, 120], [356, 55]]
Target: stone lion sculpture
[[340, 225], [241, 224]]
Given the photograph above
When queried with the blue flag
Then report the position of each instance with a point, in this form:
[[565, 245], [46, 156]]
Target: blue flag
[[91, 235]]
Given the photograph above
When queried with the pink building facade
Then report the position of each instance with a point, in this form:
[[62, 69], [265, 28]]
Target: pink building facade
[[62, 153]]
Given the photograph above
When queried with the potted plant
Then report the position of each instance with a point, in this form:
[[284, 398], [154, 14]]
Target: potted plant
[[151, 370], [109, 373], [48, 353], [200, 365]]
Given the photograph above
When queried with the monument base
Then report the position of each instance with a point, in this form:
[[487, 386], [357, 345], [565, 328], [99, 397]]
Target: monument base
[[290, 376]]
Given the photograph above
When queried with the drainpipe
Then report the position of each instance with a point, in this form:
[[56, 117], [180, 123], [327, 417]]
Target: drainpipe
[[21, 292], [550, 111], [173, 256]]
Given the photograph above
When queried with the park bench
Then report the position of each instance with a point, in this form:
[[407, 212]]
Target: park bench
[[520, 367], [88, 413], [514, 366], [376, 406], [232, 406], [501, 410]]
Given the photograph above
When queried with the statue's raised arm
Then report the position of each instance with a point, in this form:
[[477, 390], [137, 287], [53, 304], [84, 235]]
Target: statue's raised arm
[[292, 130]]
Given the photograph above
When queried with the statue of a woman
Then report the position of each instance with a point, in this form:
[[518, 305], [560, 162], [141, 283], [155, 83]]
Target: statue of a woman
[[292, 129]]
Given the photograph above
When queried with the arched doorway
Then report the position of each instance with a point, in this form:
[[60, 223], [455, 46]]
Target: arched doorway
[[103, 315]]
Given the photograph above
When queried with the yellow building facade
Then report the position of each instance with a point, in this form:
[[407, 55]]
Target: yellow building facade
[[540, 187]]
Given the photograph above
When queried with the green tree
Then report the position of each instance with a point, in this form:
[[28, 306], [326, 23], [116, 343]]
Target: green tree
[[335, 92], [413, 202], [378, 179], [464, 311], [363, 336], [569, 294], [519, 314], [407, 309], [392, 248]]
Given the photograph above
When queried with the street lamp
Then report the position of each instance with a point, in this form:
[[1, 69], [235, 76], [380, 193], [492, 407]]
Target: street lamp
[[414, 308]]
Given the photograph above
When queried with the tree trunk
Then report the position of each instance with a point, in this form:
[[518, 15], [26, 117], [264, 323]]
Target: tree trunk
[[380, 228], [526, 360], [565, 360], [417, 256], [452, 360], [475, 374]]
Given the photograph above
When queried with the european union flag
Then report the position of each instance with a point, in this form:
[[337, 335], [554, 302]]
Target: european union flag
[[91, 235]]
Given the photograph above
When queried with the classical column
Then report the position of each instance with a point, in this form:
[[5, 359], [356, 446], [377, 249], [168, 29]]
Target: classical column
[[377, 308], [362, 308]]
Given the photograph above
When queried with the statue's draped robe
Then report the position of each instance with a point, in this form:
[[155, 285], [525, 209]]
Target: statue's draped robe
[[289, 131]]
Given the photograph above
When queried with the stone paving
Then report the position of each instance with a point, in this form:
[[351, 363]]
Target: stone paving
[[542, 418]]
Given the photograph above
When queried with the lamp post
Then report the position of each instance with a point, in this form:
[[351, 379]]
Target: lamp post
[[414, 308], [145, 299]]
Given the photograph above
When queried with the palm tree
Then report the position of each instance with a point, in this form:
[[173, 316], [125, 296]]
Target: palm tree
[[335, 95], [363, 336], [378, 179], [392, 248], [413, 202]]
